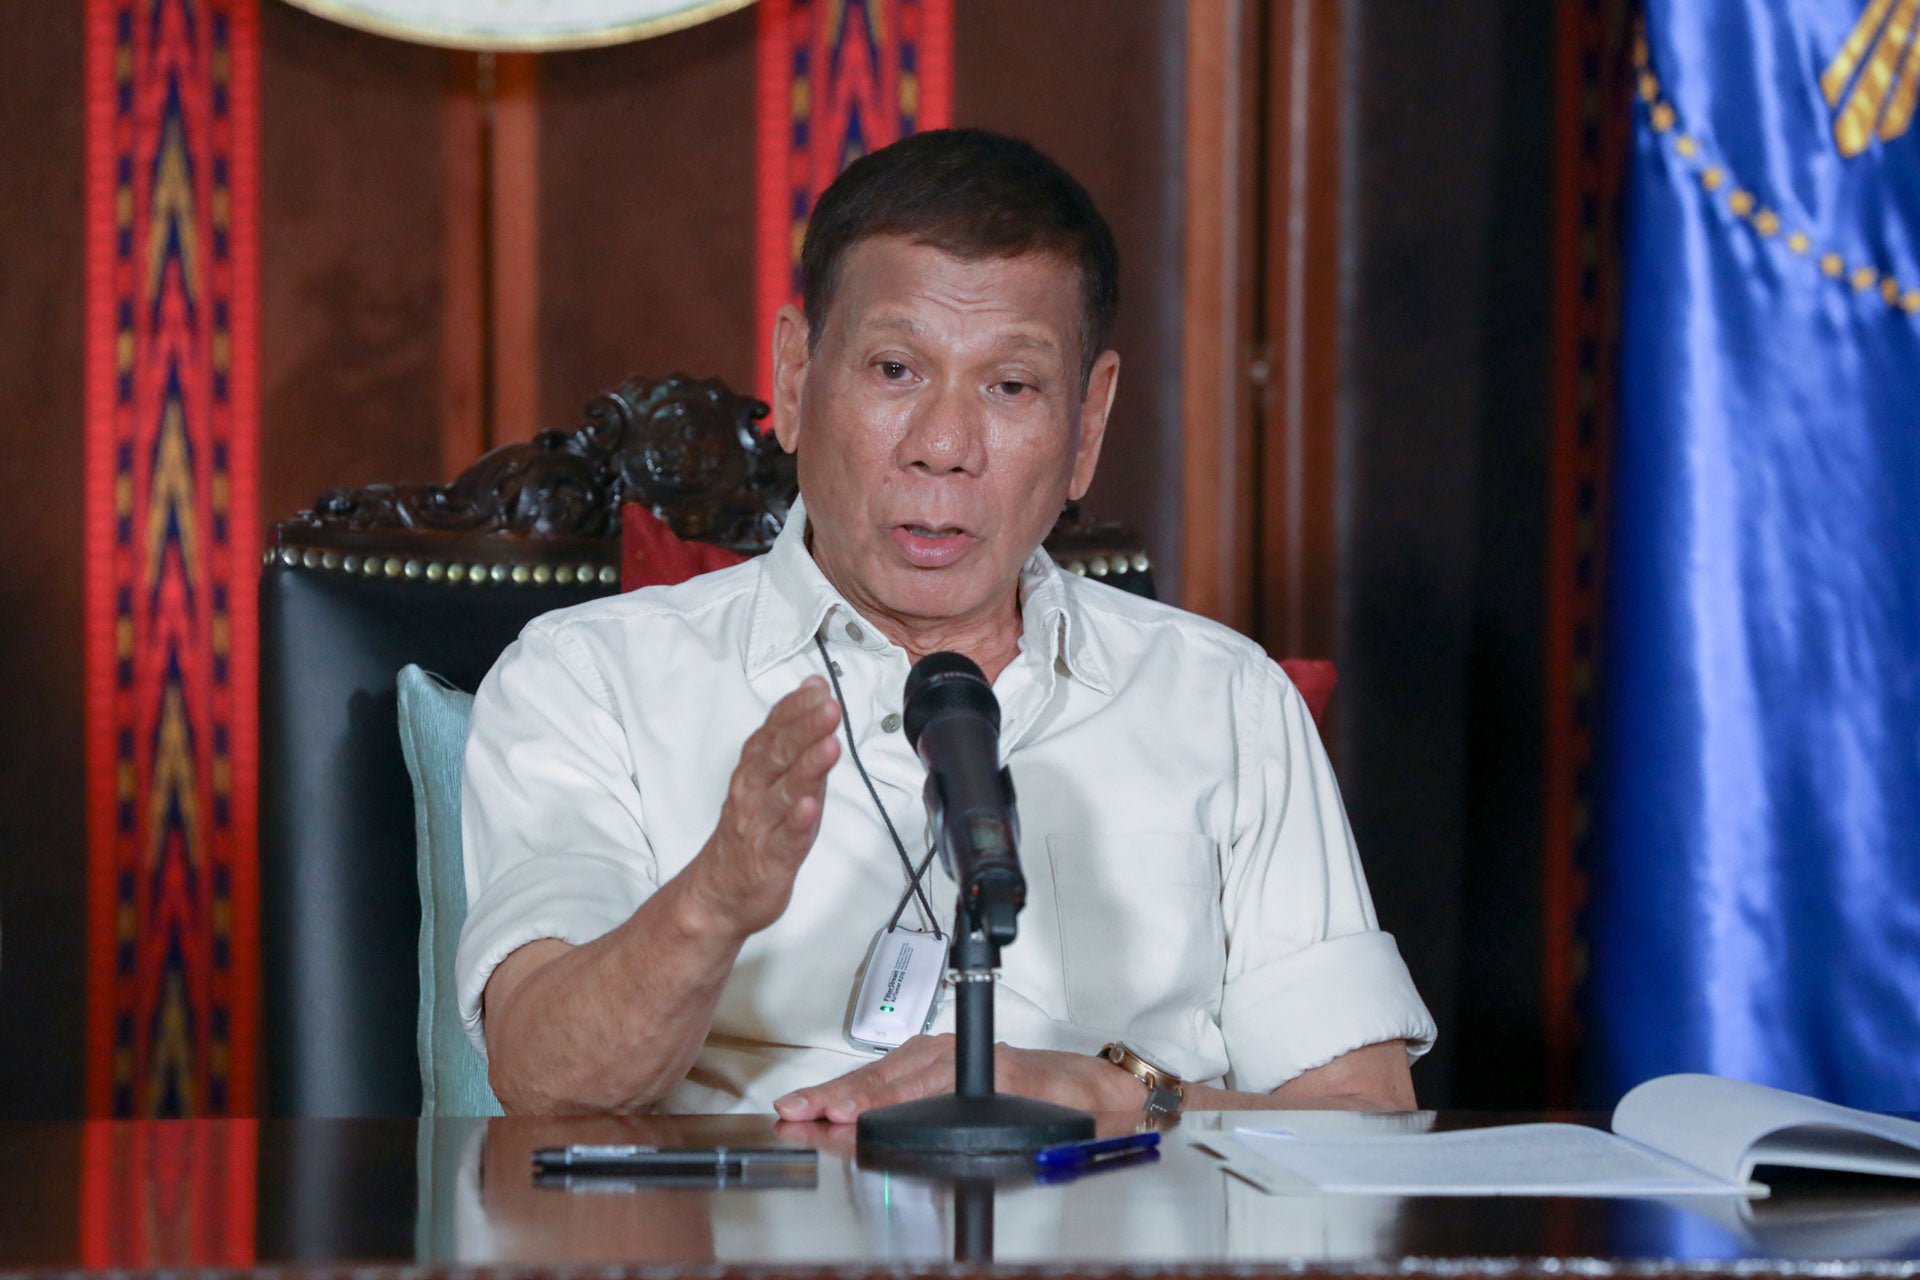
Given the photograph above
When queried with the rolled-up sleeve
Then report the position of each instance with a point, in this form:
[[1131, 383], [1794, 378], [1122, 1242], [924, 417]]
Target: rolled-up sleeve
[[550, 814], [1309, 975]]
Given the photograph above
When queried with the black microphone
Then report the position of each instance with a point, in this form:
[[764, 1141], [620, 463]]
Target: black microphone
[[953, 723]]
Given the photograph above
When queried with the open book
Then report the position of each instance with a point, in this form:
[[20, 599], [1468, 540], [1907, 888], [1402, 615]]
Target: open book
[[1676, 1135]]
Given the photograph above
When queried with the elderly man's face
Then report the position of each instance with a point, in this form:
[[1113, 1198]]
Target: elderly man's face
[[939, 423]]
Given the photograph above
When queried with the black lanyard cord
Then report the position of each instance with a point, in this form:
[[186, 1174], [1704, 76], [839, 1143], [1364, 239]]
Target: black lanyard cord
[[914, 874]]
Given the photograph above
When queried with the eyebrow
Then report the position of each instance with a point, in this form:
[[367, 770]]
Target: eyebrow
[[913, 328]]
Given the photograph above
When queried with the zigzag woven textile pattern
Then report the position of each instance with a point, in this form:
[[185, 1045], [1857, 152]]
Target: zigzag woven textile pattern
[[837, 79], [172, 532]]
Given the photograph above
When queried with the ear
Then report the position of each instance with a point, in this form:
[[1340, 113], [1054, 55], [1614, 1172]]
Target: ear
[[790, 358], [1098, 403]]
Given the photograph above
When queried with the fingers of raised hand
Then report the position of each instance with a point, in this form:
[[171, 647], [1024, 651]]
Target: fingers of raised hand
[[783, 767], [921, 1067], [772, 810], [797, 725], [797, 722]]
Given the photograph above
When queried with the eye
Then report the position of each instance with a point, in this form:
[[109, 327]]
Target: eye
[[1012, 387], [892, 370]]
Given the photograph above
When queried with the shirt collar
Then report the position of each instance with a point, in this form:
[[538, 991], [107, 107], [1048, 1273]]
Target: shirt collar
[[794, 600]]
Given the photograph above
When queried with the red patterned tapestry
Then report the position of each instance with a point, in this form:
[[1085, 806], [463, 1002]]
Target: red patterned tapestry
[[837, 79], [172, 540]]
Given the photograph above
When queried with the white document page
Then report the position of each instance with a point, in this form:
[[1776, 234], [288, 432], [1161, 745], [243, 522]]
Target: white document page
[[1507, 1160], [1729, 1126]]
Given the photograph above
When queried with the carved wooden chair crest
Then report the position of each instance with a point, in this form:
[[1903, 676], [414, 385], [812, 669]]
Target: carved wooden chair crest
[[687, 449]]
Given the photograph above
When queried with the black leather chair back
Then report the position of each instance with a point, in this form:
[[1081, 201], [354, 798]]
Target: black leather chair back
[[340, 906]]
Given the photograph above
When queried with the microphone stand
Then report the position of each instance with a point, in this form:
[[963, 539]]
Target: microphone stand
[[973, 1120]]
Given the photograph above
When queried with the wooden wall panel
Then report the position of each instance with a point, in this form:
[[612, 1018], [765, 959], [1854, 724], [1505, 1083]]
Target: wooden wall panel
[[1302, 271], [1100, 87], [513, 243], [351, 258], [647, 213], [466, 401], [1221, 266], [43, 852]]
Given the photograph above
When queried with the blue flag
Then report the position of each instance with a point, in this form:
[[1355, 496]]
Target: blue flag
[[1755, 873]]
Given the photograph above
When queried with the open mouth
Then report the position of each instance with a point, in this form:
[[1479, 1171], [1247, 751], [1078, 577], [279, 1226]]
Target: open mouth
[[931, 546]]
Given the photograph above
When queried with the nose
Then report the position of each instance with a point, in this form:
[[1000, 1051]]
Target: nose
[[946, 433]]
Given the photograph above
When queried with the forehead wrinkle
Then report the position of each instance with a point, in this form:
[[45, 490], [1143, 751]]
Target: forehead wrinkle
[[889, 323], [1021, 339]]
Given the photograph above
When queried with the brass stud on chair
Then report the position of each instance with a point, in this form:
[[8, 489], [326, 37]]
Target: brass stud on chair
[[289, 557], [350, 565], [372, 566], [542, 575], [436, 571], [329, 561], [456, 572], [413, 568], [563, 575], [1140, 562], [310, 559], [520, 575], [1077, 568], [609, 576], [498, 573], [394, 567], [1097, 566]]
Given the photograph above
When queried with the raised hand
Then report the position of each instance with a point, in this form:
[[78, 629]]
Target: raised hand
[[743, 876]]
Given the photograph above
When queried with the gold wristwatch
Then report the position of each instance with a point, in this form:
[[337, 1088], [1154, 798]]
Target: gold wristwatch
[[1165, 1090]]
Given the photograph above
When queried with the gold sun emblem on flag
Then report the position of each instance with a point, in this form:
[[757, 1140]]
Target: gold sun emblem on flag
[[1873, 82]]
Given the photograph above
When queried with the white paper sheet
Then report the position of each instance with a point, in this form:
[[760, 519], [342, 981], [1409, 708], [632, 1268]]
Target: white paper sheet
[[1508, 1160], [1729, 1126]]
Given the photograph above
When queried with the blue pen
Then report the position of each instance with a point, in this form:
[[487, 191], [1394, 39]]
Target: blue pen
[[1078, 1155]]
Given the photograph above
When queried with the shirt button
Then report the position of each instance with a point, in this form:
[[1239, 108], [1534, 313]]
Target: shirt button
[[890, 722], [854, 632]]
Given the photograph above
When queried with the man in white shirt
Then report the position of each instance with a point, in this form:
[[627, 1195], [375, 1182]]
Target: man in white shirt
[[663, 918]]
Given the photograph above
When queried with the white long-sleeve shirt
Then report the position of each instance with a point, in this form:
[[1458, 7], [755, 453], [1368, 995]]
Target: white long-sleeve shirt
[[1193, 888]]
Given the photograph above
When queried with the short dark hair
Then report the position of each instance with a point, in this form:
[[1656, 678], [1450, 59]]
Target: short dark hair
[[972, 194]]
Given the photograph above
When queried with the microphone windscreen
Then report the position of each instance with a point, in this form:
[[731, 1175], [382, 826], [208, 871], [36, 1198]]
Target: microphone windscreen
[[941, 683]]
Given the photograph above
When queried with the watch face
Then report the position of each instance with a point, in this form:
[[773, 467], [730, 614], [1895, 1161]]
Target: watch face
[[519, 24]]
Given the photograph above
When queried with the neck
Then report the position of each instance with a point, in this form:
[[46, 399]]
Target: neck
[[992, 643], [990, 637]]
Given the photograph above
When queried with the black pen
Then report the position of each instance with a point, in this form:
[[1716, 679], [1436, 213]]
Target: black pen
[[715, 1164]]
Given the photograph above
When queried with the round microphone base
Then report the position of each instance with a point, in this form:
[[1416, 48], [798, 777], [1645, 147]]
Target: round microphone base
[[947, 1124]]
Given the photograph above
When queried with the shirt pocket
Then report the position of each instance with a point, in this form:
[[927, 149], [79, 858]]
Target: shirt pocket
[[1142, 942]]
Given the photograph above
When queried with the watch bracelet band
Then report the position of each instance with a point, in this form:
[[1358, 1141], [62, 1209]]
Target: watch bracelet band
[[1165, 1091]]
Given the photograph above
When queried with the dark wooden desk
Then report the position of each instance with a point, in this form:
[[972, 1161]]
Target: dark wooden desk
[[319, 1195]]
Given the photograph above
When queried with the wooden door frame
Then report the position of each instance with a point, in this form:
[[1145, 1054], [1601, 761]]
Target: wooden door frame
[[1260, 355], [490, 349]]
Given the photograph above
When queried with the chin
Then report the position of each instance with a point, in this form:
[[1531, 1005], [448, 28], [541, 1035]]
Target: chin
[[933, 594]]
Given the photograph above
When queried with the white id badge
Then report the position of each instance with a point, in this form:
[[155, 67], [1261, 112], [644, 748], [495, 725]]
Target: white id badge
[[894, 1001]]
